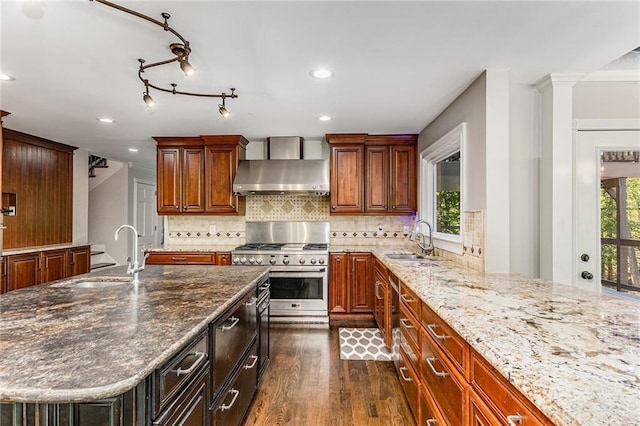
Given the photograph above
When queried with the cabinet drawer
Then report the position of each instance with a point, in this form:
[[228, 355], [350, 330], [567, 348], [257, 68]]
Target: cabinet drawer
[[181, 259], [190, 408], [429, 415], [410, 382], [233, 335], [233, 402], [409, 298], [411, 350], [448, 340], [501, 396], [447, 389], [408, 326], [179, 371]]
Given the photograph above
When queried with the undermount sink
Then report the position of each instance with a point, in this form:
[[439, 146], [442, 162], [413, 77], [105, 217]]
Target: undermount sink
[[95, 283], [406, 256]]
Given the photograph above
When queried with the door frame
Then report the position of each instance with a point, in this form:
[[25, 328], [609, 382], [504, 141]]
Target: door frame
[[586, 125]]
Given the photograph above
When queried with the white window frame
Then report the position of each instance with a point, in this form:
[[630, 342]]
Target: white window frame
[[452, 142]]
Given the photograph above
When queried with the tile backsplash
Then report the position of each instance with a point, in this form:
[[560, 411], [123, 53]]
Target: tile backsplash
[[289, 208]]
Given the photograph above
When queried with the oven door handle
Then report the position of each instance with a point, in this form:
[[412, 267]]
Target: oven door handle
[[298, 274]]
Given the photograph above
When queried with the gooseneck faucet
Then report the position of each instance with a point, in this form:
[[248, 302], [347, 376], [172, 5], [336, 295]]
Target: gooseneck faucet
[[425, 248], [134, 266]]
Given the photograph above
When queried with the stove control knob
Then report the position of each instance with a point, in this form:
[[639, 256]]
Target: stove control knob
[[285, 260], [259, 261], [302, 261], [313, 260], [252, 260], [243, 260], [272, 260], [321, 261], [236, 260]]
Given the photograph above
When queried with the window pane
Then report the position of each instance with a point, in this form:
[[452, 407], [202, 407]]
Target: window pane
[[609, 263], [608, 209], [447, 181], [633, 207], [629, 261]]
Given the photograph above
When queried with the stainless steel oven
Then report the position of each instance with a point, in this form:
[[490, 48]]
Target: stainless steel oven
[[299, 292]]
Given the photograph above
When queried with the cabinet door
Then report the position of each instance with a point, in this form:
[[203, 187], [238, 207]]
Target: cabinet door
[[360, 294], [23, 270], [223, 258], [377, 182], [221, 170], [402, 182], [381, 295], [347, 178], [192, 180], [338, 283], [3, 276], [169, 179], [79, 260], [54, 265]]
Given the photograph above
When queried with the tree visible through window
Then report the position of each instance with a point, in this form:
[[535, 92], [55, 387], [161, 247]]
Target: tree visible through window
[[447, 194], [620, 220]]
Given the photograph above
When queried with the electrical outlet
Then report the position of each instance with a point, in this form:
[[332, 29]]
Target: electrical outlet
[[212, 229], [405, 229]]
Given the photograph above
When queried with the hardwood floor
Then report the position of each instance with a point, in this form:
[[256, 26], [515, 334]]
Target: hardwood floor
[[308, 384]]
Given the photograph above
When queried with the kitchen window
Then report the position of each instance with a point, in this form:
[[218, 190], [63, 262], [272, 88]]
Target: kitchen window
[[442, 188]]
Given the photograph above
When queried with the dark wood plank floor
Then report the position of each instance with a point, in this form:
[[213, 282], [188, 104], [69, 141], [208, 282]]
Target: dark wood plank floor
[[307, 383]]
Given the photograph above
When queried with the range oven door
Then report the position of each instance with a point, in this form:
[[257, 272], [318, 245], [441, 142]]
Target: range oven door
[[298, 291]]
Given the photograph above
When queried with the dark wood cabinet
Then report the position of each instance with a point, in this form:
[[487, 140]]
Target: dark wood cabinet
[[23, 270], [381, 305], [195, 174], [3, 276], [180, 175], [180, 258], [373, 174], [54, 265], [79, 260], [223, 258], [350, 291]]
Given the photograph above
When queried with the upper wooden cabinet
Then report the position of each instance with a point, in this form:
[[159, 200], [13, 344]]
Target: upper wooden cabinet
[[373, 174], [195, 174]]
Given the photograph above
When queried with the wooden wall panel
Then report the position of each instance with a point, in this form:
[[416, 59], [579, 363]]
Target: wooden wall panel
[[40, 173]]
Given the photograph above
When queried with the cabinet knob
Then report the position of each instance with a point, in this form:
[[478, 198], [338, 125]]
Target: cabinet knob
[[393, 207], [333, 207]]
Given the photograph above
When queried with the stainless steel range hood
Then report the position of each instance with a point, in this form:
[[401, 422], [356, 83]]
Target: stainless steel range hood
[[284, 175]]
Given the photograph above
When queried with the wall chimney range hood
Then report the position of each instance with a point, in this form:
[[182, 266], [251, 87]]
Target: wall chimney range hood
[[284, 172]]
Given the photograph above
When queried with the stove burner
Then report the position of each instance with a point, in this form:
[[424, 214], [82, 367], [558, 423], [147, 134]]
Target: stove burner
[[316, 246], [260, 246]]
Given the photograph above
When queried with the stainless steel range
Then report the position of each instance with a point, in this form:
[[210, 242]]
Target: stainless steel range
[[298, 253]]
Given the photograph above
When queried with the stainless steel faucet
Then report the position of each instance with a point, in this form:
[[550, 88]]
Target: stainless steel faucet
[[134, 266], [428, 249]]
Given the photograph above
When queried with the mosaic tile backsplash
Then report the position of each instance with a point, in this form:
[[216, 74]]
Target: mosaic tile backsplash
[[289, 208]]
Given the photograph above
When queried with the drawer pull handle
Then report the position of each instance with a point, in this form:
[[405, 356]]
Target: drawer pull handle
[[405, 378], [265, 286], [431, 328], [378, 291], [234, 322], [178, 259], [407, 349], [436, 372], [431, 422], [200, 356], [513, 419], [235, 393], [253, 364], [406, 323], [406, 299], [251, 302]]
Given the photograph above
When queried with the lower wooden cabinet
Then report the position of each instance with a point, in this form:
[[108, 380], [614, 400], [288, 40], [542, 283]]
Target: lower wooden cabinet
[[223, 258], [350, 290], [382, 297], [39, 267], [180, 258]]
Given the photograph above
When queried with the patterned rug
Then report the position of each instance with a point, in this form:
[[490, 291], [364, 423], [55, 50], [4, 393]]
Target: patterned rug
[[363, 344]]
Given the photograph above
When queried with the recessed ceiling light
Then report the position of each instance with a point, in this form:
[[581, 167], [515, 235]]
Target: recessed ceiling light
[[6, 77], [133, 149], [104, 120], [324, 118], [321, 73]]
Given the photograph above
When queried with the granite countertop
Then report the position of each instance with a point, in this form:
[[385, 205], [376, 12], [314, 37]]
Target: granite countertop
[[10, 252], [574, 353], [62, 344]]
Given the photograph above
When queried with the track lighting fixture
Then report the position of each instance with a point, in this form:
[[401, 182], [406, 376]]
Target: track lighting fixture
[[181, 51]]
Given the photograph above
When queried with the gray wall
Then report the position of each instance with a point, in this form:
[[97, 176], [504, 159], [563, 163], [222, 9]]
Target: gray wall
[[606, 100]]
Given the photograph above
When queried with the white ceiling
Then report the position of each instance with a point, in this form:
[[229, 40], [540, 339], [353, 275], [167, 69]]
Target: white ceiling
[[397, 64]]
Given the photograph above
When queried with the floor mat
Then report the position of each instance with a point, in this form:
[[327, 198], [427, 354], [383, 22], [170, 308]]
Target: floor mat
[[363, 344]]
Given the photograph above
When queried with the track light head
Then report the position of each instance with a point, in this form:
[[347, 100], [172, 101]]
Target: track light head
[[224, 112], [186, 67], [148, 100]]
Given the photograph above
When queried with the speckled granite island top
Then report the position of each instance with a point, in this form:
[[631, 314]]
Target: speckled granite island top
[[78, 344], [575, 354]]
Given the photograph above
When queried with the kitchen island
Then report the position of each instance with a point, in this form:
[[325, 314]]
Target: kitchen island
[[62, 344]]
